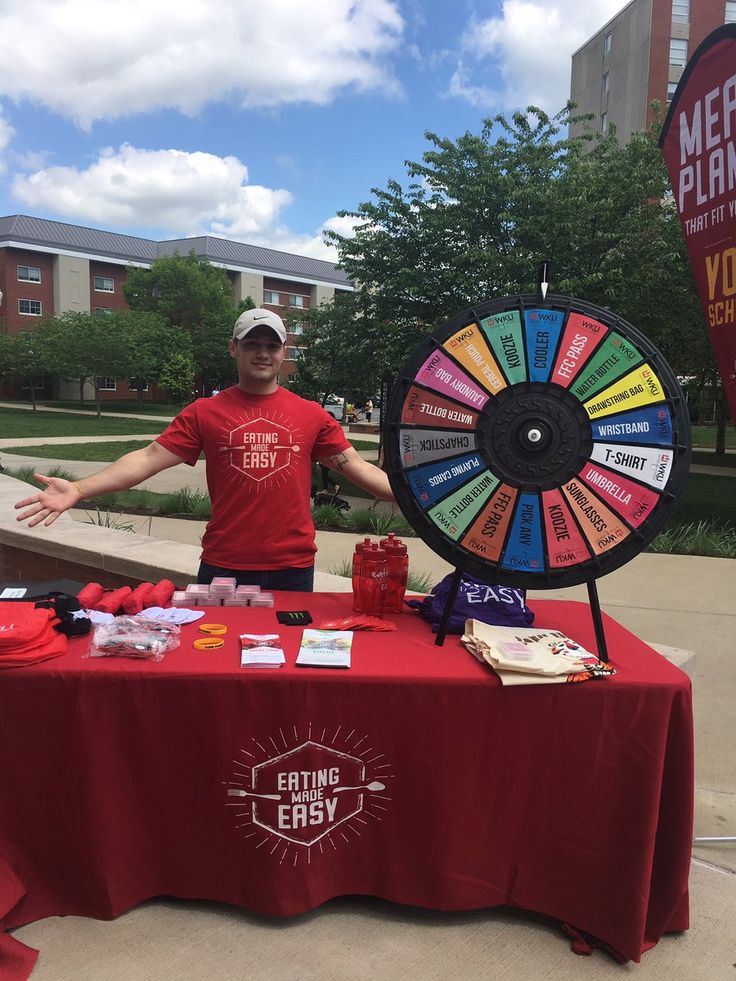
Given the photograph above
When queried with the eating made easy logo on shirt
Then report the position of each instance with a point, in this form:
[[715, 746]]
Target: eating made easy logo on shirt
[[261, 448]]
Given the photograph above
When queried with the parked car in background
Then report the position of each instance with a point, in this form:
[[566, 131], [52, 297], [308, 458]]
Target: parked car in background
[[336, 409], [335, 406]]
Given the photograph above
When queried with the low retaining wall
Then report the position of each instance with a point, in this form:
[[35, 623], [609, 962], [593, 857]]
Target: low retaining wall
[[69, 549]]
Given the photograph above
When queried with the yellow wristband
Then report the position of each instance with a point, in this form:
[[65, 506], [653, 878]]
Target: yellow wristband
[[79, 490], [208, 643], [213, 628]]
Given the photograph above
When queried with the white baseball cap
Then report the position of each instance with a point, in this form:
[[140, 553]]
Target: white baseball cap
[[259, 318]]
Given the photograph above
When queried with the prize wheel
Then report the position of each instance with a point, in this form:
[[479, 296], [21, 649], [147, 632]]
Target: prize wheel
[[537, 443]]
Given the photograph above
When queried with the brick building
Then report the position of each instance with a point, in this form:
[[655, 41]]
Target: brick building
[[49, 267], [639, 56]]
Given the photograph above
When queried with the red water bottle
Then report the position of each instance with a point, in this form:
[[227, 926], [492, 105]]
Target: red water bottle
[[397, 562], [373, 580], [358, 573]]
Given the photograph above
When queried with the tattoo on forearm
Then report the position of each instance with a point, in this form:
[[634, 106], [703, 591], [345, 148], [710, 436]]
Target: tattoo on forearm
[[337, 462]]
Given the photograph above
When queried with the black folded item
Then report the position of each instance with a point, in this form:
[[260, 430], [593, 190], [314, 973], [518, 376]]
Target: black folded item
[[65, 606], [294, 618]]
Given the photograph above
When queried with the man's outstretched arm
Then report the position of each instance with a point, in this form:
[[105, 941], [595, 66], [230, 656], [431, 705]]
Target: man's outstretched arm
[[366, 475], [60, 495]]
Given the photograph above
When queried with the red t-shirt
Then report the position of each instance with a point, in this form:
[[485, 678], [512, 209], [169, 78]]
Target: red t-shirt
[[258, 450]]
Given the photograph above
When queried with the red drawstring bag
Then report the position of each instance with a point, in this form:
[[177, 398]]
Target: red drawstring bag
[[113, 600], [161, 594], [27, 634], [138, 599], [91, 594]]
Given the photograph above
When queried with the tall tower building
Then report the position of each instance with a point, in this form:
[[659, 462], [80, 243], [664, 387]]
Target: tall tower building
[[639, 56]]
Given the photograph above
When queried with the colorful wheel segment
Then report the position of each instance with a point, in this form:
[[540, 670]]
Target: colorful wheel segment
[[537, 443]]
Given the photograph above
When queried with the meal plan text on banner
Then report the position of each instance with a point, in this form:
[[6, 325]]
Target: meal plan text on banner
[[699, 145]]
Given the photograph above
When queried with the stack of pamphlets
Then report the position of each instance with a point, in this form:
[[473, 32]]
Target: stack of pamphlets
[[261, 651], [530, 656], [325, 649]]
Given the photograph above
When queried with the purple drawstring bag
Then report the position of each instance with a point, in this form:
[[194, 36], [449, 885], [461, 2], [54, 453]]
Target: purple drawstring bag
[[501, 605]]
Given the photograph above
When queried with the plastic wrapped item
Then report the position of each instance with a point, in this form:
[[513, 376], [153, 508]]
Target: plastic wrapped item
[[134, 637]]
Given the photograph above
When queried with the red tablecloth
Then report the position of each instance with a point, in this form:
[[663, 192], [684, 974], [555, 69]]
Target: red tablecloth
[[572, 801]]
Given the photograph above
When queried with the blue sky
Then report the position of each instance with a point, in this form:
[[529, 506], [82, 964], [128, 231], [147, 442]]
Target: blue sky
[[256, 120]]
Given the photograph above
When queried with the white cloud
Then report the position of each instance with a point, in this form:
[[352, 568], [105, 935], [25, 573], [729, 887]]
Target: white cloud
[[6, 135], [311, 245], [529, 44], [88, 61], [186, 193], [183, 193]]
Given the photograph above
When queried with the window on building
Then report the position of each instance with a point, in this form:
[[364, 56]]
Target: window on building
[[604, 85], [731, 11], [671, 89], [105, 384], [296, 300], [104, 284], [30, 308], [604, 122], [103, 311], [29, 274], [296, 328], [681, 11], [272, 297], [293, 353], [138, 384], [607, 42], [678, 51]]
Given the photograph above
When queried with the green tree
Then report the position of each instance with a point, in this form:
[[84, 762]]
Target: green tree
[[342, 351], [177, 377], [190, 293], [30, 358], [480, 212], [88, 348], [150, 342]]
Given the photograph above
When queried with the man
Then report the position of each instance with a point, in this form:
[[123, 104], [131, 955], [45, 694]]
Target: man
[[258, 441]]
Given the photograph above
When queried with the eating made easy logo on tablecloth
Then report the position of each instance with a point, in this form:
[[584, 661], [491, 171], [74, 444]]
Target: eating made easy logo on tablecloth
[[310, 791]]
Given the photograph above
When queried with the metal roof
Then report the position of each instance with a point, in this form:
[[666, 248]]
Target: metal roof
[[54, 235]]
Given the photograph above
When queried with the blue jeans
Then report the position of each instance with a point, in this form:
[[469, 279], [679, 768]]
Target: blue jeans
[[295, 580]]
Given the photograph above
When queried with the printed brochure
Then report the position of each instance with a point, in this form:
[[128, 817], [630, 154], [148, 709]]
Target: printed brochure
[[261, 651], [325, 649]]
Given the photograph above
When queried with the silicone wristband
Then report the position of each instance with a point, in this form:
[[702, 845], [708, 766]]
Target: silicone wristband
[[208, 643], [213, 628]]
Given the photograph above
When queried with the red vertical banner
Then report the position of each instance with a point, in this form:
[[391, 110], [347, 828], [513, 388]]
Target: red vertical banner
[[699, 145]]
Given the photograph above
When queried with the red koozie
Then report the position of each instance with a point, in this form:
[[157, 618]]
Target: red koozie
[[373, 581], [397, 561], [357, 572]]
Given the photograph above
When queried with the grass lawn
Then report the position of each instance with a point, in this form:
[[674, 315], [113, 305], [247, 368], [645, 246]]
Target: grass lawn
[[96, 452], [20, 423], [708, 459], [118, 405], [707, 498], [706, 436]]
